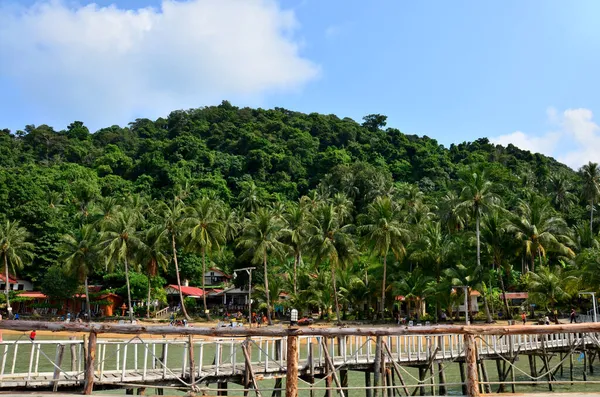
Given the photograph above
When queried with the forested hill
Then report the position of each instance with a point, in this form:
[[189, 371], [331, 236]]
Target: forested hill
[[49, 177]]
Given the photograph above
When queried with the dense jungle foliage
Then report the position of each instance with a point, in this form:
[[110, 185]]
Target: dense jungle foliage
[[351, 213]]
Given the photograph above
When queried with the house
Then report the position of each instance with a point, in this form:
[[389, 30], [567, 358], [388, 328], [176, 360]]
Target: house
[[216, 277], [102, 304], [16, 284], [515, 298], [474, 302]]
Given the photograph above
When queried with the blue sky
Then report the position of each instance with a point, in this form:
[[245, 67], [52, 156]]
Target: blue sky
[[514, 71]]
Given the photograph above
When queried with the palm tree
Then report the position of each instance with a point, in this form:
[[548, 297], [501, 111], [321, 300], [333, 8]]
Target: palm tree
[[539, 229], [452, 218], [469, 276], [14, 249], [173, 216], [497, 239], [549, 286], [590, 174], [295, 233], [81, 254], [121, 243], [477, 197], [261, 238], [560, 194], [206, 231], [414, 287], [433, 250], [154, 243], [250, 199], [384, 230], [330, 240]]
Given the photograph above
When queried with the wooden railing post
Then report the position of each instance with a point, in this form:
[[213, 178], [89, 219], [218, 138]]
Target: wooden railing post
[[291, 380], [90, 364], [471, 361]]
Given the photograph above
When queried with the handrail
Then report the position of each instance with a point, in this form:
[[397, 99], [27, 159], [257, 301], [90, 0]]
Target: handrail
[[134, 329], [161, 312]]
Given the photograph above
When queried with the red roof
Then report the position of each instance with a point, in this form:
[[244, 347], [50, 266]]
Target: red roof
[[11, 278], [189, 291], [223, 274], [33, 294]]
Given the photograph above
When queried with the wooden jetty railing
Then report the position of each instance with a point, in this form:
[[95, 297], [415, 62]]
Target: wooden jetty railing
[[246, 355]]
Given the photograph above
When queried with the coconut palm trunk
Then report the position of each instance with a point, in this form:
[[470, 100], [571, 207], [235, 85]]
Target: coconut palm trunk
[[383, 286], [296, 261], [7, 286], [87, 299], [204, 284], [128, 290], [148, 300], [183, 309], [591, 215], [335, 296], [267, 295], [507, 315]]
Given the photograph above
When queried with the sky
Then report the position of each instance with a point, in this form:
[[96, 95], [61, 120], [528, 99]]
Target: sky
[[514, 71]]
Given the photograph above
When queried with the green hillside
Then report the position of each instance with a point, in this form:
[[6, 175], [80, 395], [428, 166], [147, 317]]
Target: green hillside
[[358, 199]]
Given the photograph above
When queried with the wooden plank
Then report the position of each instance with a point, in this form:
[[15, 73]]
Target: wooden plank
[[90, 363], [59, 357]]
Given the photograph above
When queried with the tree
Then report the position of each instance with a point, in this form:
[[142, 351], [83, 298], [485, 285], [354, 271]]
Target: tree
[[14, 250], [121, 243], [206, 231], [498, 240], [539, 230], [549, 286], [330, 240], [373, 122], [433, 250], [174, 217], [590, 174], [383, 231], [81, 254], [295, 234], [560, 192], [477, 197], [260, 239], [152, 254], [414, 287]]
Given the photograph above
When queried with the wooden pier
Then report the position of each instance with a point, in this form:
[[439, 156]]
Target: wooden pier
[[207, 359]]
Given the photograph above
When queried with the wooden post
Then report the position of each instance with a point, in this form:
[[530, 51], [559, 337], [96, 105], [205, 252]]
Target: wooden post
[[247, 367], [486, 386], [546, 363], [222, 386], [442, 389], [291, 382], [311, 367], [377, 366], [73, 354], [463, 377], [90, 363], [278, 381], [500, 375], [368, 390], [422, 374], [59, 357], [471, 364], [571, 366], [191, 360]]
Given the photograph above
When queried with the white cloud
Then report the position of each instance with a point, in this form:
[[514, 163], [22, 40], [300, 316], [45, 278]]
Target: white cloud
[[575, 142], [106, 64], [542, 144]]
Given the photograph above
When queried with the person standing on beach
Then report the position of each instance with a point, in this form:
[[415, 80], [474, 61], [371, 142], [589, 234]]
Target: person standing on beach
[[573, 316], [524, 317]]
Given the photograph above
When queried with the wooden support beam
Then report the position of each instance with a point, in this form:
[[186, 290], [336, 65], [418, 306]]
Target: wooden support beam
[[368, 390], [58, 361], [396, 368], [442, 389], [471, 364], [90, 365], [73, 354], [291, 383], [377, 367], [500, 371], [331, 368], [251, 372]]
